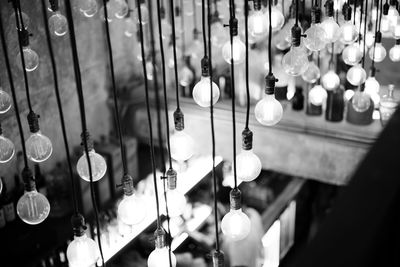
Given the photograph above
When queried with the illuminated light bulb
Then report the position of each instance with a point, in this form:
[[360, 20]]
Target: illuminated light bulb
[[317, 95], [181, 146], [38, 146], [97, 164], [394, 52], [166, 29], [316, 38], [330, 80], [393, 15], [277, 18], [348, 94], [120, 9], [356, 75], [33, 207], [281, 43], [150, 70], [7, 149], [219, 34], [144, 13], [248, 164], [25, 18], [374, 13], [176, 200], [129, 27], [239, 50], [268, 110], [202, 90], [377, 53], [88, 7], [348, 33], [352, 55], [58, 24], [295, 62], [188, 8], [331, 29], [235, 224], [132, 208], [385, 24], [170, 56], [258, 24], [160, 256], [372, 85], [186, 76], [5, 101], [31, 59], [369, 39], [312, 74], [338, 47], [361, 101]]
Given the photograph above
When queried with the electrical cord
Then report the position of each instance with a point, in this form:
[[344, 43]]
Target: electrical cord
[[171, 2], [246, 33], [377, 28], [203, 22], [195, 30], [365, 30]]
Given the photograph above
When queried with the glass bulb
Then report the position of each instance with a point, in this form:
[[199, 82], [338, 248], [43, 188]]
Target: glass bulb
[[219, 34], [372, 85], [202, 92], [144, 13], [268, 110], [82, 251], [38, 147], [317, 95], [176, 203], [58, 24], [160, 258], [281, 43], [88, 7], [394, 53], [312, 74], [7, 149], [170, 56], [149, 70], [132, 209], [348, 32], [338, 47], [166, 29], [352, 55], [97, 163], [378, 53], [130, 27], [31, 59], [330, 80], [248, 165], [393, 14], [295, 62], [385, 24], [5, 101], [356, 75], [239, 50], [369, 39], [277, 19], [361, 101], [186, 76], [236, 225], [258, 24], [316, 37], [25, 18], [396, 29], [182, 146], [120, 9], [388, 105], [331, 29], [33, 207]]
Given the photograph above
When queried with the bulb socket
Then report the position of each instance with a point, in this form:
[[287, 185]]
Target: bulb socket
[[218, 258], [54, 6], [378, 37], [177, 11], [171, 179], [362, 87], [316, 14], [205, 67], [233, 22], [385, 10], [160, 238], [78, 224], [235, 199], [270, 81], [24, 37], [393, 2], [33, 122], [196, 34], [127, 185], [162, 12], [85, 136], [29, 179], [397, 41], [347, 11], [179, 120], [257, 5], [329, 11], [247, 139], [1, 129], [296, 35], [372, 71]]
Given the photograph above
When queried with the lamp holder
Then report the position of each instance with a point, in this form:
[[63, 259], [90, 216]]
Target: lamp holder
[[329, 11], [385, 10], [196, 33], [162, 12], [257, 5], [33, 122], [247, 139], [233, 26], [1, 130], [398, 41], [372, 71], [316, 14], [270, 81], [89, 141], [179, 120], [29, 179], [235, 199], [24, 36], [393, 2], [347, 11], [54, 5], [296, 35], [160, 239], [127, 185], [171, 178], [205, 67], [378, 37], [78, 224], [218, 258]]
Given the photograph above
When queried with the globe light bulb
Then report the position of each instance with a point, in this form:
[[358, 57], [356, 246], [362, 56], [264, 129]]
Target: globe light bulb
[[239, 50], [170, 56], [186, 75], [268, 110], [33, 207], [372, 85], [331, 29], [202, 92], [330, 80], [7, 149], [361, 101], [166, 29], [120, 8], [352, 55], [317, 95], [58, 24], [348, 32], [295, 62], [132, 209], [88, 7], [281, 43], [144, 13], [25, 18], [176, 203], [182, 146], [248, 165], [97, 164], [160, 256], [129, 27], [31, 59], [277, 18], [356, 75], [394, 54], [219, 34], [82, 251], [38, 147], [338, 47], [312, 74], [393, 15], [316, 37], [385, 24], [369, 39], [5, 101], [258, 24], [110, 11], [377, 53]]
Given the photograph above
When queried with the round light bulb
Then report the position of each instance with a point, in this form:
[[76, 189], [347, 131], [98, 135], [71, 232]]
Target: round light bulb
[[239, 50], [129, 27], [331, 29], [159, 257], [377, 53], [166, 29], [394, 53], [277, 19], [338, 47], [295, 62], [317, 95], [186, 76], [97, 164], [396, 30], [258, 24], [31, 59], [120, 9], [202, 92], [170, 56], [352, 55], [369, 39], [38, 147], [330, 80], [361, 101], [385, 24], [312, 74], [372, 85], [393, 15], [5, 101], [316, 37], [236, 225], [348, 94], [182, 146], [176, 203], [248, 165], [7, 149], [281, 43], [88, 7], [356, 75], [144, 13], [348, 32], [132, 209], [82, 251], [33, 207], [58, 24], [268, 110], [25, 18]]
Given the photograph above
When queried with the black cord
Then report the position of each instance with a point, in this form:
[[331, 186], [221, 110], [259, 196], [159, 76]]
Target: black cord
[[14, 96], [195, 30], [361, 19], [365, 30], [297, 12], [319, 65], [114, 90], [203, 21], [171, 2], [377, 27], [355, 11], [269, 39], [81, 101], [246, 33], [381, 13]]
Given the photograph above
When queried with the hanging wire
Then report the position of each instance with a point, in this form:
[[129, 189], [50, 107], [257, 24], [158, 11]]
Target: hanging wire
[[381, 13], [365, 30], [60, 109], [297, 12], [85, 133], [171, 3], [203, 22], [114, 90], [195, 30], [246, 32], [355, 11], [377, 28], [360, 36]]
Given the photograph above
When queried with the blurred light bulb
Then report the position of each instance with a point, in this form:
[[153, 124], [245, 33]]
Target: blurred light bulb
[[132, 209], [393, 15], [348, 94], [338, 47], [97, 164], [248, 165], [149, 70], [330, 80], [394, 53], [331, 29], [377, 53], [144, 12], [258, 24], [348, 32], [159, 257], [170, 56], [120, 8], [25, 18], [369, 39], [361, 101], [58, 24], [33, 207], [352, 55], [295, 62], [281, 43], [31, 59], [312, 74], [38, 147], [166, 29], [186, 75], [219, 34], [316, 37], [7, 149], [356, 75], [236, 225], [182, 146], [385, 24], [372, 85], [129, 27], [176, 203], [88, 7], [268, 110], [5, 101], [202, 92], [277, 18], [82, 251], [317, 95], [239, 50]]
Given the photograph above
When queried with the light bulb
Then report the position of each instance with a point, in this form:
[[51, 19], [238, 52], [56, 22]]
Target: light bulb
[[132, 209], [144, 12], [330, 80], [88, 7], [219, 34], [287, 29], [5, 101], [182, 146], [170, 56], [160, 258], [248, 165], [97, 164], [372, 85], [377, 53], [385, 24], [352, 55], [396, 30], [58, 24], [31, 59], [331, 29], [110, 11], [258, 24], [33, 207], [281, 43], [338, 47], [295, 62], [7, 149], [394, 53], [236, 225], [150, 70], [186, 75], [120, 9], [268, 110], [277, 18], [129, 27], [239, 50], [202, 92], [82, 251], [348, 32], [38, 147], [176, 203], [312, 74], [361, 101], [356, 75], [166, 29], [316, 37], [369, 39], [25, 18], [317, 95], [392, 16]]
